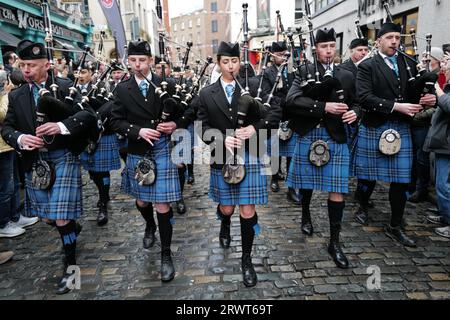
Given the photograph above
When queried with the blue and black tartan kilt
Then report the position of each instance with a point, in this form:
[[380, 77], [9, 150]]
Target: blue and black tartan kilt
[[252, 190], [106, 158], [370, 164], [167, 185], [287, 147], [64, 200], [333, 177], [123, 142]]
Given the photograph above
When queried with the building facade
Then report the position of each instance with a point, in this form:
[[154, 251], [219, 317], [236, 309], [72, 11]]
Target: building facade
[[206, 28], [22, 19], [425, 16]]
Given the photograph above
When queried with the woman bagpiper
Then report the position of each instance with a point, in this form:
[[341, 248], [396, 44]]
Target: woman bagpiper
[[221, 108]]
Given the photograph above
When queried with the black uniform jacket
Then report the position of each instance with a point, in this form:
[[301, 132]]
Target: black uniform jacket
[[132, 112], [379, 88], [215, 112], [350, 66], [270, 77], [306, 113], [21, 119]]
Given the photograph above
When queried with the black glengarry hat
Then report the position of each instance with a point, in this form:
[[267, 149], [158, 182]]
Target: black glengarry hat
[[279, 46], [228, 49], [359, 42], [29, 50], [139, 48], [389, 27], [325, 35]]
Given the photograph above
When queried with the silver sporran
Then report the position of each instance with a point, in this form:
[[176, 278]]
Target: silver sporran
[[390, 142], [233, 171], [43, 175], [319, 153], [284, 132], [145, 172]]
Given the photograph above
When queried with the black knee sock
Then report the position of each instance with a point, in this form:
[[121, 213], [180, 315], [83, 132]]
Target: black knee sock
[[190, 168], [182, 177], [335, 214], [102, 181], [248, 233], [147, 214], [397, 199], [364, 191], [306, 201], [69, 240], [165, 229], [222, 217]]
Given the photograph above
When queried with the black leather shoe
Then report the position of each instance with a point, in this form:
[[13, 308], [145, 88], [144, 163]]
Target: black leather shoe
[[335, 250], [78, 228], [418, 197], [307, 228], [294, 196], [399, 235], [149, 237], [224, 235], [362, 217], [274, 186], [181, 207], [102, 216], [248, 271], [167, 268], [190, 180], [63, 285]]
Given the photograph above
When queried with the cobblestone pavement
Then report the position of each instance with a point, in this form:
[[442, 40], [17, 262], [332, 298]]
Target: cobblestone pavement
[[290, 266]]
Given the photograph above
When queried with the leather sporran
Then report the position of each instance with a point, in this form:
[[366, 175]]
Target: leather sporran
[[319, 153], [43, 175], [145, 172], [390, 142], [233, 171], [284, 132]]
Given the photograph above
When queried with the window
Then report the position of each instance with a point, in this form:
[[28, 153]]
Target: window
[[199, 22], [175, 27], [190, 24], [213, 6], [182, 26], [215, 46], [214, 26]]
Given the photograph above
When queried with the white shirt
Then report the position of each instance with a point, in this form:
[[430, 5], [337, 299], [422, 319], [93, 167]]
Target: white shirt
[[325, 66], [386, 59], [138, 81], [224, 85]]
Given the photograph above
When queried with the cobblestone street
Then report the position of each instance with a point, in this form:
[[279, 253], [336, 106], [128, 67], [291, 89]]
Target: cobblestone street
[[290, 266]]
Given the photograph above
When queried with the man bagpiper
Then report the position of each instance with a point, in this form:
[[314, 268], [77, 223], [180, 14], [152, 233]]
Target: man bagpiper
[[359, 49], [319, 113], [106, 157], [219, 109], [150, 176], [51, 148], [384, 147], [286, 148]]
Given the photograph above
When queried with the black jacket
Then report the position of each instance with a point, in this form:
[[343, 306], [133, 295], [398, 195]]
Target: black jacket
[[215, 112], [379, 89], [270, 77], [350, 66], [131, 112], [306, 113], [21, 119]]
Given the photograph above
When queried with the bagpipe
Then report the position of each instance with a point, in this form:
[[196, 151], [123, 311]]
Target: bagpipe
[[313, 86], [423, 83], [234, 171], [196, 83]]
